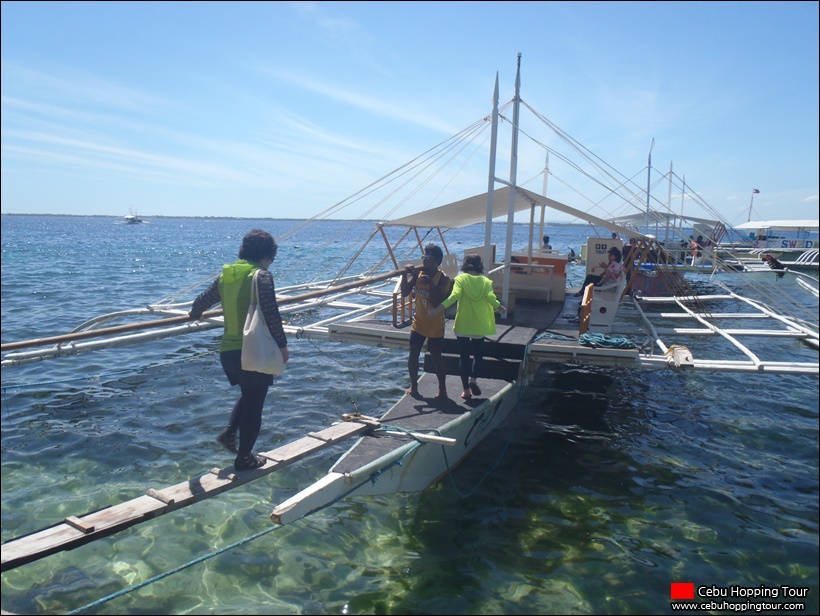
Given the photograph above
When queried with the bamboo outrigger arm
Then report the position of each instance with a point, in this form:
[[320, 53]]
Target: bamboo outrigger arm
[[183, 319]]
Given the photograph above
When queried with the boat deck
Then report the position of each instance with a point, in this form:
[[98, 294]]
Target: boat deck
[[422, 413], [545, 332]]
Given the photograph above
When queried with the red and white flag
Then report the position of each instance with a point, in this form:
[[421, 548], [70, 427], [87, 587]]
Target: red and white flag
[[755, 191]]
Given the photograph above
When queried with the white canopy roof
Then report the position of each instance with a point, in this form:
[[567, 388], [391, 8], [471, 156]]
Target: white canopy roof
[[474, 210], [782, 225], [665, 218]]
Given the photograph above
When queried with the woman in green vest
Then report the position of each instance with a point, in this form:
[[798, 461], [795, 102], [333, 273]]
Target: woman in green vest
[[233, 289]]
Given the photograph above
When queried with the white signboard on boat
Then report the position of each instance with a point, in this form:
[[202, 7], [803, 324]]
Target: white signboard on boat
[[597, 249]]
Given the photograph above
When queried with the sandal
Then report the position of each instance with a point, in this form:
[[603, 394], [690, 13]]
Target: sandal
[[466, 395], [227, 439], [475, 388], [248, 462]]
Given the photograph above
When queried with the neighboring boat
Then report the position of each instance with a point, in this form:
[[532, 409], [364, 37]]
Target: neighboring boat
[[794, 243], [420, 439]]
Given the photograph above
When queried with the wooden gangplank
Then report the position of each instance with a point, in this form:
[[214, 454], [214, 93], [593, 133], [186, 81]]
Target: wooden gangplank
[[75, 531]]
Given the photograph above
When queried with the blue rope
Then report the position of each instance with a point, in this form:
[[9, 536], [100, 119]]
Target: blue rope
[[374, 477], [602, 340], [156, 578], [553, 335]]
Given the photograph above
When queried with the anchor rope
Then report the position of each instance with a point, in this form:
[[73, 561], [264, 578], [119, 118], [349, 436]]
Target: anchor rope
[[503, 452], [483, 478], [170, 572]]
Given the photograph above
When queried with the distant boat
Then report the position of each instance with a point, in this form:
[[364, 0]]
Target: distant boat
[[132, 219]]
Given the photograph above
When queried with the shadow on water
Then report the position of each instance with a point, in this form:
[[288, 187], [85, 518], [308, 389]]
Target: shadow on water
[[597, 505]]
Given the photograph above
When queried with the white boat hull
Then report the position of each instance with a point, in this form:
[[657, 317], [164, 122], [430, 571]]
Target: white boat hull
[[411, 466]]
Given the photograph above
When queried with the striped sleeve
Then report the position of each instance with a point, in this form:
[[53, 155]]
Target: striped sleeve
[[270, 308]]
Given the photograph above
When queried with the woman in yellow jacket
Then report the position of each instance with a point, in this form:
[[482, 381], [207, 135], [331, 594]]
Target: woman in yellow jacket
[[475, 319]]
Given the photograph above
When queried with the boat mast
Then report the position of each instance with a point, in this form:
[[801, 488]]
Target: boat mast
[[488, 225], [505, 289], [648, 174], [544, 207], [749, 217], [669, 203]]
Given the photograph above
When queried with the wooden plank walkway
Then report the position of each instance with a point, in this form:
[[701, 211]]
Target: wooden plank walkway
[[75, 531]]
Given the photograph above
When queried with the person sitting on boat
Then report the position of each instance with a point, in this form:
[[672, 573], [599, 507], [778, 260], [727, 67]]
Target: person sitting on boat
[[545, 245], [694, 250], [774, 264], [627, 253], [475, 319], [233, 289], [612, 271], [680, 256], [430, 286]]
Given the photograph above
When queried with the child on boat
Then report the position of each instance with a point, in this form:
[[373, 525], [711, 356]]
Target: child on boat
[[475, 319]]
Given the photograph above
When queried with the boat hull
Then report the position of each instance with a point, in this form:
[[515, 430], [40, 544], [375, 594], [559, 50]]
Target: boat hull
[[407, 465]]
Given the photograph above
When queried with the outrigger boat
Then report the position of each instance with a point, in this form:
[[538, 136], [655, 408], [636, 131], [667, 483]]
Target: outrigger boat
[[419, 440], [794, 243]]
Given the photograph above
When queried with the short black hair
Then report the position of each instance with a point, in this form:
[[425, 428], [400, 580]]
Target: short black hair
[[434, 251], [257, 245], [616, 252]]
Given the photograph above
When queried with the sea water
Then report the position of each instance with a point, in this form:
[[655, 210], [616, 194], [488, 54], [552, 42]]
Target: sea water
[[602, 489]]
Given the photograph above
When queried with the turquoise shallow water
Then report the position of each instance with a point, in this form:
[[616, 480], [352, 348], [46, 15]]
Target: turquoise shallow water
[[601, 490]]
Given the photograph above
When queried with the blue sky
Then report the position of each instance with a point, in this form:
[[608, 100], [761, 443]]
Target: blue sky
[[280, 109]]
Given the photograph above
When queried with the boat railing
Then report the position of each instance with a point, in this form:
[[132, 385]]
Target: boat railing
[[586, 310], [807, 258], [403, 306]]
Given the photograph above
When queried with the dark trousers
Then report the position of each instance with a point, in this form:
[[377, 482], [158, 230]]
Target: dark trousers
[[591, 278], [468, 347], [246, 415]]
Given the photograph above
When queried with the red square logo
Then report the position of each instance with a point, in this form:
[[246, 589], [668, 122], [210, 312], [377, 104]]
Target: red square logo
[[682, 590]]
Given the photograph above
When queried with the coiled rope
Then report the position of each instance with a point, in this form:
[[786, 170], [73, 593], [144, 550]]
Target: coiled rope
[[604, 341]]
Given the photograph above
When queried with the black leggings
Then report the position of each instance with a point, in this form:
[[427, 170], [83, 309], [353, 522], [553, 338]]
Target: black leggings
[[466, 348], [591, 278], [246, 415]]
